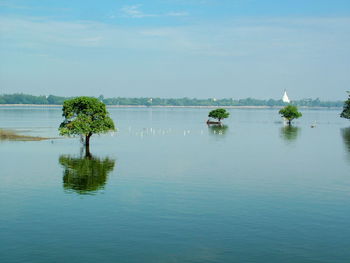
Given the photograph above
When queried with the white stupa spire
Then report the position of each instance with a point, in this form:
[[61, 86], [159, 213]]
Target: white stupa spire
[[285, 97]]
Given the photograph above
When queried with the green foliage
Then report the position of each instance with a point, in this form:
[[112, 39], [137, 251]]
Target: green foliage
[[290, 112], [219, 114], [346, 109], [19, 98], [85, 116], [85, 175], [55, 100]]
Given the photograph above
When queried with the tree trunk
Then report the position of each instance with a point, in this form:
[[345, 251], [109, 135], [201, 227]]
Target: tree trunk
[[87, 152], [289, 122], [87, 145]]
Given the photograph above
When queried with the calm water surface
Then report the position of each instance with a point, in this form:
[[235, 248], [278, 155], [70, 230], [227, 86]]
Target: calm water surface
[[165, 188]]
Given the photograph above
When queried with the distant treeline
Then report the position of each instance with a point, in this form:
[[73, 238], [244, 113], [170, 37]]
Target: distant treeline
[[56, 100], [20, 98]]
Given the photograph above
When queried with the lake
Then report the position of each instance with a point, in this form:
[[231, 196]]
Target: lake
[[166, 188]]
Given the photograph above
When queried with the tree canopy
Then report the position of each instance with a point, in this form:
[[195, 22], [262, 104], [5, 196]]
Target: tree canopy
[[346, 109], [85, 116], [290, 113], [219, 114]]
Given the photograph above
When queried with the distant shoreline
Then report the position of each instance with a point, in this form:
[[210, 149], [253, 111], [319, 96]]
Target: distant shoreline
[[158, 106], [185, 102]]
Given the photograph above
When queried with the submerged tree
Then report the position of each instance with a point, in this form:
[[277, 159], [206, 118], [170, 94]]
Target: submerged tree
[[219, 114], [85, 116], [346, 109], [85, 174], [290, 113]]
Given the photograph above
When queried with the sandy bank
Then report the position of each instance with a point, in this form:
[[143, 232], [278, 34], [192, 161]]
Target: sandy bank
[[9, 135]]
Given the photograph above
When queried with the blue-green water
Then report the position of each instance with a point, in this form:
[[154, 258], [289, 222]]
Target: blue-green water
[[165, 188]]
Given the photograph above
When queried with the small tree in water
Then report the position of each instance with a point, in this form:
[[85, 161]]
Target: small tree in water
[[219, 114], [346, 110], [290, 113], [85, 116]]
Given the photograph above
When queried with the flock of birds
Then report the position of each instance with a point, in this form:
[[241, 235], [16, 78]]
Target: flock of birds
[[154, 131]]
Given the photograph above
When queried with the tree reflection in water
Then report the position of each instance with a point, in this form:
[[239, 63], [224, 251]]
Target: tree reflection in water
[[85, 175], [289, 133], [346, 138], [218, 129]]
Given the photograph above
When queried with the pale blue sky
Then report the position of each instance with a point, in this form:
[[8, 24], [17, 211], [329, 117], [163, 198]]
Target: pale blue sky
[[176, 48]]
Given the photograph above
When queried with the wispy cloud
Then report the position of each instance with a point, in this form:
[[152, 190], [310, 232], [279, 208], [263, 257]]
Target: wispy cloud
[[34, 34], [9, 5], [183, 13], [250, 37], [134, 11], [13, 6], [288, 52]]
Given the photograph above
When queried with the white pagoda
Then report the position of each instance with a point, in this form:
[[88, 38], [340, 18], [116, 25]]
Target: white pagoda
[[285, 97]]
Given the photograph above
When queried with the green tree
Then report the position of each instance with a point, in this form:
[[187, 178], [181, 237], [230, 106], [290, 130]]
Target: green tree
[[346, 110], [219, 114], [85, 116], [290, 113]]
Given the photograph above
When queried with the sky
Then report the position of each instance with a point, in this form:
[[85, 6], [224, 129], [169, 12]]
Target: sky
[[176, 48]]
